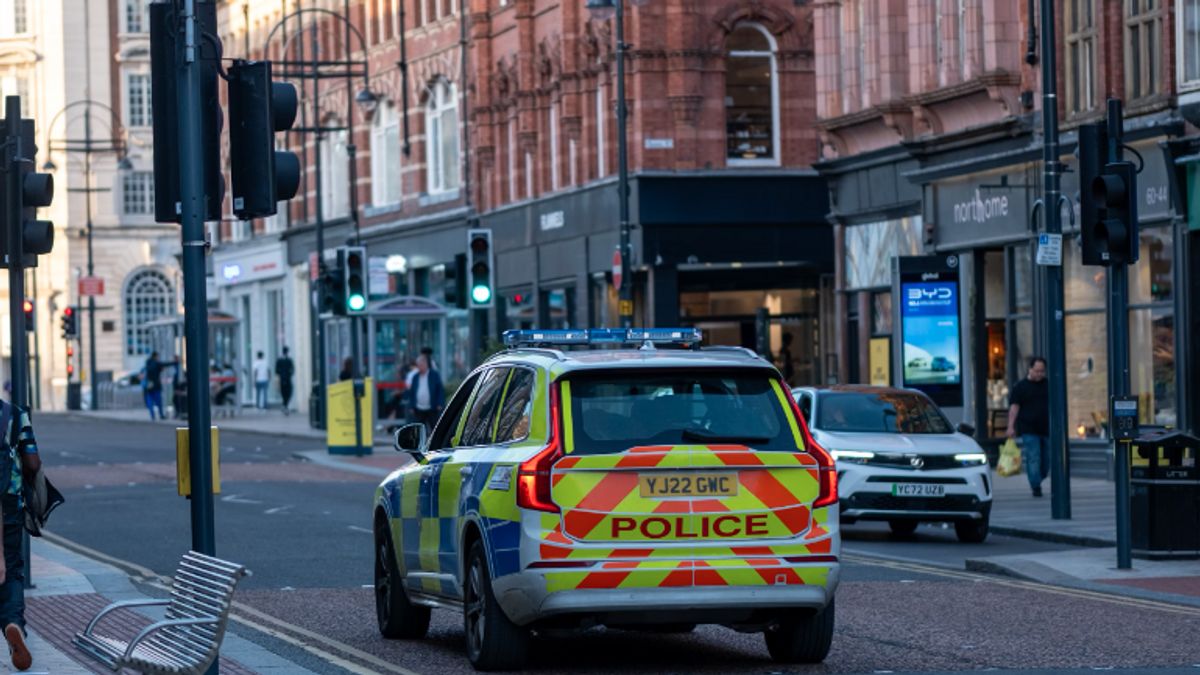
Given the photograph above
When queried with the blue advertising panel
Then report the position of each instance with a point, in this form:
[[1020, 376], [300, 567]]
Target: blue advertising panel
[[931, 338]]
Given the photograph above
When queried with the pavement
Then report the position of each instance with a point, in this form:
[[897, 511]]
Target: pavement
[[69, 589], [251, 420]]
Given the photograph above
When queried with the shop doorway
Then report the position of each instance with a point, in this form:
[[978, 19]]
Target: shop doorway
[[1008, 323]]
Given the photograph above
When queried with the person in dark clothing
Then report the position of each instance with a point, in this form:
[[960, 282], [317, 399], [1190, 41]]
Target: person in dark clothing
[[153, 371], [347, 372], [285, 370], [19, 461], [1029, 418], [427, 394]]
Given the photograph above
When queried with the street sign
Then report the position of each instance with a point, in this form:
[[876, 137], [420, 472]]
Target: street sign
[[91, 286], [1049, 250], [616, 269]]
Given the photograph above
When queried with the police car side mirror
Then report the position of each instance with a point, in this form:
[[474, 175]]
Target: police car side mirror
[[410, 438], [966, 429]]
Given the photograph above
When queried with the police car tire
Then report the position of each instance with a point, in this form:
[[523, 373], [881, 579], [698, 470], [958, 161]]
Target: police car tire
[[802, 637], [503, 645], [972, 531], [398, 619]]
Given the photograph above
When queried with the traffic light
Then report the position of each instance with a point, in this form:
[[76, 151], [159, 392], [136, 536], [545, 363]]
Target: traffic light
[[455, 289], [36, 190], [1114, 236], [258, 109], [27, 305], [70, 361], [480, 269], [353, 264], [70, 325], [331, 292], [166, 53]]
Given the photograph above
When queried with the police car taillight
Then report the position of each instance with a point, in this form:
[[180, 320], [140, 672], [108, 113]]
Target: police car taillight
[[533, 476], [826, 466]]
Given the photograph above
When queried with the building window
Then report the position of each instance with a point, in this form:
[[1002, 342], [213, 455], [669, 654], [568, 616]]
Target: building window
[[512, 160], [20, 16], [1189, 42], [553, 133], [335, 176], [1081, 55], [148, 296], [441, 138], [137, 193], [1143, 30], [135, 14], [137, 99], [601, 120], [751, 97], [16, 83], [385, 156]]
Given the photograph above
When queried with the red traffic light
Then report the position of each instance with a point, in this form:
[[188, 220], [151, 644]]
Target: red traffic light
[[479, 244], [69, 311]]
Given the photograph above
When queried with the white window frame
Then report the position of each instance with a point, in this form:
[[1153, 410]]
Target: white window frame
[[512, 159], [552, 130], [601, 123], [1083, 38], [155, 290], [1181, 46], [1153, 18], [25, 16], [142, 18], [144, 116], [442, 102], [335, 176], [129, 184], [774, 160], [385, 187]]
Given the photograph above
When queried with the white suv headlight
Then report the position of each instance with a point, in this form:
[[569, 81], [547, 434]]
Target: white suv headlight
[[971, 458], [852, 456]]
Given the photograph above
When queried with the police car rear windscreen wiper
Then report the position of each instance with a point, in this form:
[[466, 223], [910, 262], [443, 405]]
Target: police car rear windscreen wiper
[[702, 435]]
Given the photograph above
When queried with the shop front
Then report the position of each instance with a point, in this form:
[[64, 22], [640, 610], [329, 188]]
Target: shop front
[[251, 286]]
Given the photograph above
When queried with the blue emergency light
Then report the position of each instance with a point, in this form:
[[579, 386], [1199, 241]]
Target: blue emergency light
[[602, 336]]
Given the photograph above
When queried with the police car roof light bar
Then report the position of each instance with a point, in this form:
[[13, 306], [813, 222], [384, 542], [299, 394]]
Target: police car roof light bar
[[598, 336]]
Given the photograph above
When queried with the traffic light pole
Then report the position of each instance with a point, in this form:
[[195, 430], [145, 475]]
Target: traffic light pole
[[87, 173], [13, 154], [192, 210], [625, 293], [322, 375], [1052, 275], [1118, 353]]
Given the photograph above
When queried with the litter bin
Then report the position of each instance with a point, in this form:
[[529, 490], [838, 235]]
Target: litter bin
[[1165, 496]]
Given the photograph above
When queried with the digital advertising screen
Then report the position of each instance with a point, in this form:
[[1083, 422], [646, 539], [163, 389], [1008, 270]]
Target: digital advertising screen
[[929, 314]]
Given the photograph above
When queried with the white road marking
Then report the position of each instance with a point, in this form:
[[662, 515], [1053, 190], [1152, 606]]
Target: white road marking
[[361, 529], [236, 499], [277, 509]]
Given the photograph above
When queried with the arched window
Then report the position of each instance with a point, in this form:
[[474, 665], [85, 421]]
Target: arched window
[[148, 296], [441, 138], [751, 97], [385, 156]]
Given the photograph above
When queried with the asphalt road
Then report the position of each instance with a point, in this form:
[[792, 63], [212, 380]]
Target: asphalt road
[[303, 530]]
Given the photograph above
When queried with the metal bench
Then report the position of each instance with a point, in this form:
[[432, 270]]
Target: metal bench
[[187, 639]]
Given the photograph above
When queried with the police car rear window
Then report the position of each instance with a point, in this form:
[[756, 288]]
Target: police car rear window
[[613, 412]]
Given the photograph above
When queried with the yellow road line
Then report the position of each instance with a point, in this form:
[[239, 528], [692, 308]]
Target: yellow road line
[[244, 611], [1040, 587]]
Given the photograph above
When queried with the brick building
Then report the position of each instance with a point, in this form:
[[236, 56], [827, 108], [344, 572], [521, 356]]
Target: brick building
[[929, 123]]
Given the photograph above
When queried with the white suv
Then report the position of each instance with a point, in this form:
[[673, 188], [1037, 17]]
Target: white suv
[[899, 459]]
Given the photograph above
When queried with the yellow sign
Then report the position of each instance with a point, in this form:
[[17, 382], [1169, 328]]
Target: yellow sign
[[880, 363], [625, 307], [183, 463], [339, 427]]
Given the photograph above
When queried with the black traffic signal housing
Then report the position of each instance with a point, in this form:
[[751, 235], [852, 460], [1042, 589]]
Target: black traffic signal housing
[[70, 324], [27, 305], [34, 190], [332, 302], [1113, 238], [352, 263], [455, 289], [481, 284], [165, 55], [259, 108]]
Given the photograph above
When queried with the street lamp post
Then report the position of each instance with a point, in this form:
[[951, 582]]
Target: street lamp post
[[87, 147], [604, 9], [317, 69]]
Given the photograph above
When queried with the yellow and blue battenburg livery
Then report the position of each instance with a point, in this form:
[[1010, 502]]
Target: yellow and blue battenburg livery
[[624, 477]]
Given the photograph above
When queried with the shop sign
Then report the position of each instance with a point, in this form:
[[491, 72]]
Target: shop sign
[[982, 208], [249, 267], [659, 143], [91, 286], [551, 221], [1154, 195], [377, 275]]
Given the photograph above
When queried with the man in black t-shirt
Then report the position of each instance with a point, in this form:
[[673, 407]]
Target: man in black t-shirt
[[1029, 418]]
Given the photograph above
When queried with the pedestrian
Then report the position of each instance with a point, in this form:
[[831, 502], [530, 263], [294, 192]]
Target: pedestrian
[[152, 384], [427, 395], [19, 462], [285, 370], [347, 372], [1029, 418], [262, 381], [785, 359]]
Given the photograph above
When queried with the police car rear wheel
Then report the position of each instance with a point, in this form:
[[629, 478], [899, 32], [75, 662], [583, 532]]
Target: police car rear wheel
[[397, 617], [802, 637], [493, 641]]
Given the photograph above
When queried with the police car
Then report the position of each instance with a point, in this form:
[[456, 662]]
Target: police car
[[656, 486]]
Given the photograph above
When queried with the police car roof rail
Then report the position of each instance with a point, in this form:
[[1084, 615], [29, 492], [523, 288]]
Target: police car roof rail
[[523, 339], [556, 353], [732, 348]]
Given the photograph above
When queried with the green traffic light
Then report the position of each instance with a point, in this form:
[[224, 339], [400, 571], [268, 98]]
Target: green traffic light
[[356, 302], [481, 294]]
